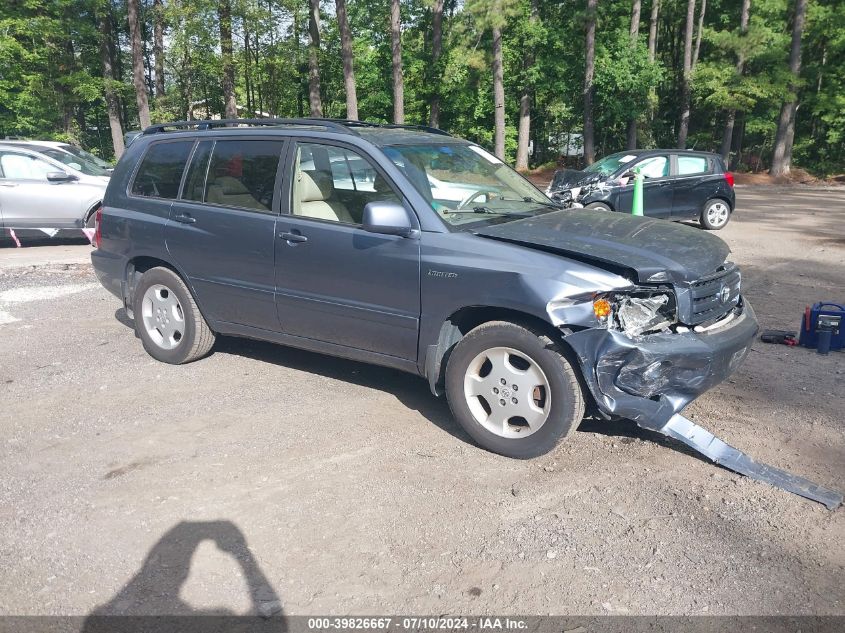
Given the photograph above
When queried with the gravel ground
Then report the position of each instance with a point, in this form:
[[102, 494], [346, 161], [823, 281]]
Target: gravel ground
[[265, 478]]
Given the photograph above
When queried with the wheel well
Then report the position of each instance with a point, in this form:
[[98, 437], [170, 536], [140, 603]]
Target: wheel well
[[136, 267], [92, 209], [459, 323]]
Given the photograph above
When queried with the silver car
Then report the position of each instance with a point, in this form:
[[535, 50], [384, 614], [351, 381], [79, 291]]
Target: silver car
[[45, 186]]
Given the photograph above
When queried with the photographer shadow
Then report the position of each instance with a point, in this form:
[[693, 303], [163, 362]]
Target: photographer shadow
[[151, 599]]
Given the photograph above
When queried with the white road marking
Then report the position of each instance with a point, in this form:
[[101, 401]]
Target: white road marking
[[36, 293]]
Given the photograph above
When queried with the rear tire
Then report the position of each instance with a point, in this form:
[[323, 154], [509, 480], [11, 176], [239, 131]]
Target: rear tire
[[168, 320], [716, 214], [598, 206], [512, 390]]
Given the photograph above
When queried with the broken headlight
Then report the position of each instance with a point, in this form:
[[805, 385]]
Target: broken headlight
[[637, 313]]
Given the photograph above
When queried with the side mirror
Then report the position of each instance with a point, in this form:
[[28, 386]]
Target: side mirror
[[60, 176], [387, 218]]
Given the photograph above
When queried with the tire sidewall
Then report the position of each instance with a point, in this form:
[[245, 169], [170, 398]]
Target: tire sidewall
[[561, 420], [174, 284], [706, 223], [599, 206]]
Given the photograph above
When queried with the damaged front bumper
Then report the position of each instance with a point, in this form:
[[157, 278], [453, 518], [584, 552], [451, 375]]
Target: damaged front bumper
[[650, 378]]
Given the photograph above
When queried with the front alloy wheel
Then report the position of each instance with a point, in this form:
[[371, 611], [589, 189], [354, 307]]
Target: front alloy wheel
[[512, 389], [507, 392]]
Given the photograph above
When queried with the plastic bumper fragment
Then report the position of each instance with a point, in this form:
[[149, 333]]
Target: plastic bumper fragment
[[703, 441]]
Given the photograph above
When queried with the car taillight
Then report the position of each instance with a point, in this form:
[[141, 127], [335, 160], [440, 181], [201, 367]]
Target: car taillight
[[729, 177], [98, 222]]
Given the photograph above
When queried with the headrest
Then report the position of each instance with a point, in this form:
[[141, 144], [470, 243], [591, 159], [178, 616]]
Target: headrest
[[229, 186], [314, 187], [380, 184]]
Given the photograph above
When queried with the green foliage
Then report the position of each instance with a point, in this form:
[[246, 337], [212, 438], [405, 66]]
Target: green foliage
[[52, 86]]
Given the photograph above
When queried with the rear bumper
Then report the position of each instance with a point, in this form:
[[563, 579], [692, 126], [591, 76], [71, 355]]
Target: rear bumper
[[651, 378], [110, 270]]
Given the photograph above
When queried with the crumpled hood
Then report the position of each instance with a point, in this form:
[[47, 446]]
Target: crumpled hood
[[646, 246], [569, 178]]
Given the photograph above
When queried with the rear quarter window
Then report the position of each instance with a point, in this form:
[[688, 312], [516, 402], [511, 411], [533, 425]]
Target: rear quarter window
[[689, 165], [161, 170]]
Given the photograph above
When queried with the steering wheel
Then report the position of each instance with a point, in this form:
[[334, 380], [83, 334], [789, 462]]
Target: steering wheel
[[471, 197]]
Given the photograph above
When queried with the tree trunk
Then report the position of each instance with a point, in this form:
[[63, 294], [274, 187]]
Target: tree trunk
[[782, 154], [730, 119], [396, 52], [138, 64], [589, 71], [348, 68], [112, 104], [634, 34], [683, 128], [698, 33], [224, 12], [524, 133], [652, 30], [158, 46], [314, 99], [436, 49], [498, 96]]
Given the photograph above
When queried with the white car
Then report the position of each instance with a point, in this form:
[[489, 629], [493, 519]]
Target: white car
[[45, 185]]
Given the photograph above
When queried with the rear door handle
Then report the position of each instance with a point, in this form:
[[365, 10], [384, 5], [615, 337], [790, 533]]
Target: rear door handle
[[184, 218], [293, 237]]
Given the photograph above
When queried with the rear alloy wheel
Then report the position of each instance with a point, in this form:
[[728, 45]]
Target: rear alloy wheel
[[716, 214], [168, 320], [512, 390], [598, 206]]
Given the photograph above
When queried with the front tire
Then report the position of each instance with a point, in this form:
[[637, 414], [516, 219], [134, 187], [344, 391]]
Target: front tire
[[168, 320], [598, 206], [716, 214], [512, 390]]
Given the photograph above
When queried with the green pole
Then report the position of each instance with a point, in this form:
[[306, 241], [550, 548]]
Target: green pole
[[637, 206]]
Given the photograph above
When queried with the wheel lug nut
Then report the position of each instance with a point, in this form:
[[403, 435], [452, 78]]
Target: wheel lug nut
[[503, 381], [502, 402], [515, 388], [495, 390], [514, 400]]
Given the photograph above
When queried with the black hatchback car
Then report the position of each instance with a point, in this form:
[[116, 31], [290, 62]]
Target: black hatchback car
[[678, 185]]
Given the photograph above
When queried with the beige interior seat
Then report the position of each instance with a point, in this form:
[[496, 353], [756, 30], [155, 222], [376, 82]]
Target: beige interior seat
[[314, 191], [231, 192]]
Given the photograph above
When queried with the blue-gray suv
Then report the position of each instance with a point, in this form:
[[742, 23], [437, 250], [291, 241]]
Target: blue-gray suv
[[409, 248]]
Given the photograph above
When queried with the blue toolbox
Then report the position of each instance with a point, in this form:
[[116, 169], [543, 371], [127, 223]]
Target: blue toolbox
[[823, 317]]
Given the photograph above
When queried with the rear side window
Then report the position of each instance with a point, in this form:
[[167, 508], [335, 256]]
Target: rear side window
[[161, 170], [242, 174], [689, 165]]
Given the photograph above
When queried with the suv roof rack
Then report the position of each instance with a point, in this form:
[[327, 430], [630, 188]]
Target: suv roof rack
[[345, 126]]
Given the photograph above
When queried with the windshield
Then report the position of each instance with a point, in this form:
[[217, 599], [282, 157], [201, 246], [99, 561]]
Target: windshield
[[88, 156], [79, 163], [466, 185], [610, 164]]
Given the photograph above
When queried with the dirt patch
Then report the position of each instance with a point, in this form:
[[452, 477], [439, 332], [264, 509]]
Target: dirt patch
[[352, 491]]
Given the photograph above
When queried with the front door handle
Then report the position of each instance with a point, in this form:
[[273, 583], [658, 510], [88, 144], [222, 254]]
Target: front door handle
[[293, 237], [184, 218]]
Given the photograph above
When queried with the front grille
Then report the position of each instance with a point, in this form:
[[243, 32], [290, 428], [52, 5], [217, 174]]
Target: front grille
[[713, 297]]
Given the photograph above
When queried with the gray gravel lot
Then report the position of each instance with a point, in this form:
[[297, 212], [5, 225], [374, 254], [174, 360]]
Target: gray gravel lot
[[268, 478]]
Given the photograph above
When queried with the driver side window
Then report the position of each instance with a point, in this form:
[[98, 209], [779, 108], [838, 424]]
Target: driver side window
[[335, 184], [654, 167]]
